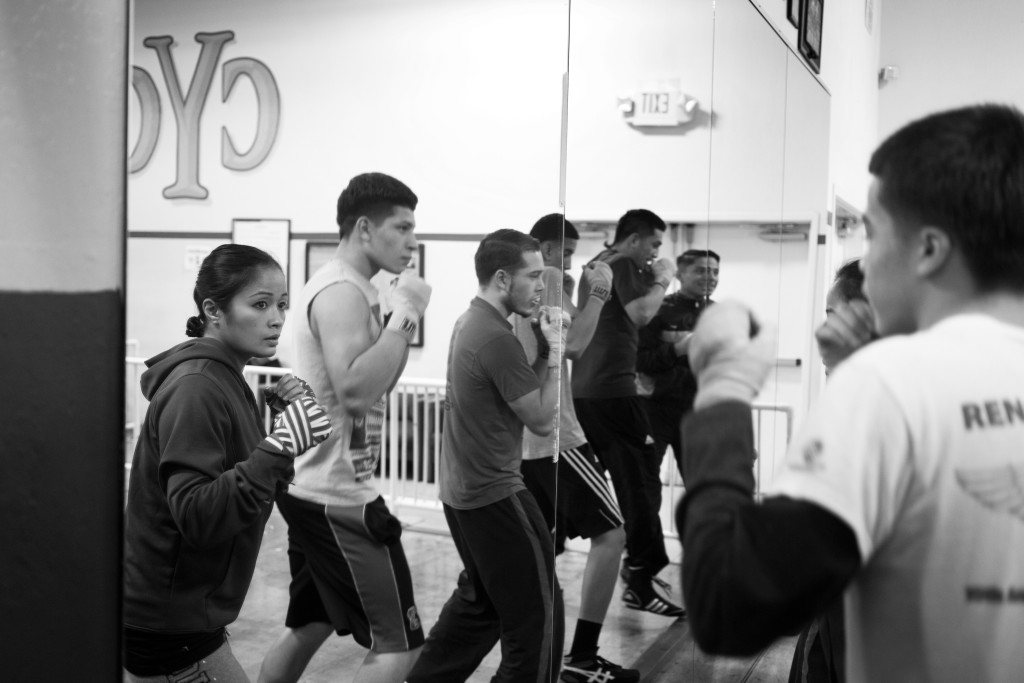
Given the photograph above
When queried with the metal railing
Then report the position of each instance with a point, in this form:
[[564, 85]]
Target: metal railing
[[411, 440]]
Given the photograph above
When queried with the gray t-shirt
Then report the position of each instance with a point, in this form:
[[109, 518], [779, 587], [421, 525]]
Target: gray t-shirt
[[482, 437]]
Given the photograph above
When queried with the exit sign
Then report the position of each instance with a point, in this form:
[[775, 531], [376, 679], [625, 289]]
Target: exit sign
[[657, 103]]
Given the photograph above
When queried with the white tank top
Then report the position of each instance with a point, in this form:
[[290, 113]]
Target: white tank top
[[340, 470]]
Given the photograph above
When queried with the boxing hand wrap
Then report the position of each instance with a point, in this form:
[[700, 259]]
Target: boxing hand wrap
[[662, 271], [731, 354], [299, 427], [409, 299], [276, 402], [599, 280], [734, 375], [555, 324]]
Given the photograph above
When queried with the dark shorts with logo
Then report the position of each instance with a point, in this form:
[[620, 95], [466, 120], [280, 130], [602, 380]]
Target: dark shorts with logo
[[349, 570]]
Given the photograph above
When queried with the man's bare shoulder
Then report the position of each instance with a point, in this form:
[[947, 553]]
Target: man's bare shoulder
[[339, 305]]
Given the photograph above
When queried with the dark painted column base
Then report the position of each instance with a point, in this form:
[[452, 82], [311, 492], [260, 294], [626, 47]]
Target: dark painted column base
[[62, 446]]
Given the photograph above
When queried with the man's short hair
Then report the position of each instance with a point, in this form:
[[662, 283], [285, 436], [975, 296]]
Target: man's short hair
[[690, 256], [554, 228], [502, 250], [374, 195], [962, 171], [638, 222], [849, 281]]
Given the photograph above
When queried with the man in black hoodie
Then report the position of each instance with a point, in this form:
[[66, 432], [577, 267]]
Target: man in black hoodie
[[664, 378]]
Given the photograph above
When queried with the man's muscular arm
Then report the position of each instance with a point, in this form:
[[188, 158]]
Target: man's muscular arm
[[361, 368]]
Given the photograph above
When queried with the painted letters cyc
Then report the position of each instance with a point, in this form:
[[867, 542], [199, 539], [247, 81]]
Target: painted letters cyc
[[149, 128]]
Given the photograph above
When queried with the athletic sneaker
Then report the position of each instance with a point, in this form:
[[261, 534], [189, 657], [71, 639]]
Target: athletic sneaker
[[640, 594], [596, 669]]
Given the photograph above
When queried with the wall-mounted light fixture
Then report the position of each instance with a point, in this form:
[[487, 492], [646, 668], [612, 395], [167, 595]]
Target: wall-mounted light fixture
[[887, 74], [688, 106]]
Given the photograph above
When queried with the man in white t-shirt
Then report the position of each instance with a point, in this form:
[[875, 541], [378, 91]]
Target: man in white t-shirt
[[903, 488]]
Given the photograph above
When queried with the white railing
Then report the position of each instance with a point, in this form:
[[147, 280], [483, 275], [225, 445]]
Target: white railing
[[411, 440]]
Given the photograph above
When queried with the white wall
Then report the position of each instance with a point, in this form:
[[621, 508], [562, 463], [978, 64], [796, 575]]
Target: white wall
[[949, 54], [68, 250], [849, 72], [461, 100]]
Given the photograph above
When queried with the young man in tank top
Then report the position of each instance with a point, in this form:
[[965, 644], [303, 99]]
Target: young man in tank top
[[349, 572]]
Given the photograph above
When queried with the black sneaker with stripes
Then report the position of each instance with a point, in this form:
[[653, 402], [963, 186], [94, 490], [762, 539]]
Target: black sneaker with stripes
[[596, 669], [641, 594]]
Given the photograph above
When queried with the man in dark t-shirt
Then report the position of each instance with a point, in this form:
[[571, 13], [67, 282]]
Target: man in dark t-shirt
[[508, 590], [605, 397]]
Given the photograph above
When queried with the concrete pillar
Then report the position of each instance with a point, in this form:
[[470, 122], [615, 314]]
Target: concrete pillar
[[63, 86]]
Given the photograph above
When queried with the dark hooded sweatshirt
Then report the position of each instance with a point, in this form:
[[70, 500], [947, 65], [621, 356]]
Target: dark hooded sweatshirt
[[200, 492]]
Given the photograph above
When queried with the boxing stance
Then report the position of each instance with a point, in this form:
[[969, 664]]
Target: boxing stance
[[349, 571], [899, 490], [205, 473]]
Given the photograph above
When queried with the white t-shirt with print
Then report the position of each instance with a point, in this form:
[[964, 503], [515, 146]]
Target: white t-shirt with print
[[918, 445]]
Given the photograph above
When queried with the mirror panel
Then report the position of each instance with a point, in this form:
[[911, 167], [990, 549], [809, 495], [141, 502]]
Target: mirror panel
[[463, 100]]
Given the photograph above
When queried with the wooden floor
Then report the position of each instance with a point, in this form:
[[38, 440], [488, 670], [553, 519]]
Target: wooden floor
[[661, 648]]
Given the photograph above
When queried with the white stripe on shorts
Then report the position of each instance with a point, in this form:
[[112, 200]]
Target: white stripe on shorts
[[587, 473]]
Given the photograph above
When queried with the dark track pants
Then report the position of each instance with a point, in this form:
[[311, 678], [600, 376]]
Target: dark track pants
[[665, 418], [508, 592], [619, 433]]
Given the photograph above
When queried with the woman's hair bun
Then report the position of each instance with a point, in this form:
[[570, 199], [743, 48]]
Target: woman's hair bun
[[194, 326]]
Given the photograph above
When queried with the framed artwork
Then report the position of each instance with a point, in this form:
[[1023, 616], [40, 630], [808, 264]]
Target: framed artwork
[[809, 34], [272, 235], [793, 12], [318, 253]]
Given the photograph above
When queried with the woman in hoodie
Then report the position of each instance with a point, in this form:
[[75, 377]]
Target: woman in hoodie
[[205, 473]]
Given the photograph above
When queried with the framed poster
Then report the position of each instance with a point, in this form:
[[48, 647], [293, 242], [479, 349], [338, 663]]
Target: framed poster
[[793, 12], [318, 253], [809, 34], [272, 235]]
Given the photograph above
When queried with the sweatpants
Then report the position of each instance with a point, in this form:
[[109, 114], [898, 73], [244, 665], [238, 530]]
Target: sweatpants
[[620, 434], [507, 592]]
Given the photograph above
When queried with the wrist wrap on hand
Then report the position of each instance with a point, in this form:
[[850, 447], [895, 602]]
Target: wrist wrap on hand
[[301, 425], [403, 323]]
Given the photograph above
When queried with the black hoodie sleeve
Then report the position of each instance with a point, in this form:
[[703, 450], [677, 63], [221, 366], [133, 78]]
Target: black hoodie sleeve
[[751, 572], [217, 481]]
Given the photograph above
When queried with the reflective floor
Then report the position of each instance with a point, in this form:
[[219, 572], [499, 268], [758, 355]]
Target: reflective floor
[[660, 647]]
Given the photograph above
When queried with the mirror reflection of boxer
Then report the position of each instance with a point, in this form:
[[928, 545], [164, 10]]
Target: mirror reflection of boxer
[[610, 412], [664, 378]]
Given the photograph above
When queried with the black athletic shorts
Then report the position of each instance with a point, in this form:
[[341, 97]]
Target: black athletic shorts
[[577, 486], [349, 570]]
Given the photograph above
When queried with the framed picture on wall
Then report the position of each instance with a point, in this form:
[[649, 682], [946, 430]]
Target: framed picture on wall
[[272, 235], [809, 34], [318, 253], [793, 12]]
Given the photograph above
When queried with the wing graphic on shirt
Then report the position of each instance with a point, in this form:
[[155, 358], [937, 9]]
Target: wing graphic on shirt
[[998, 488]]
